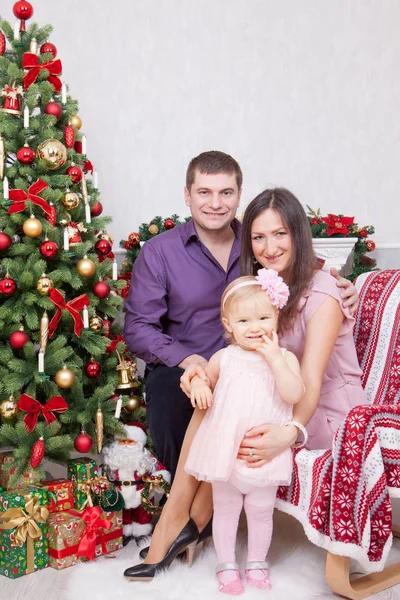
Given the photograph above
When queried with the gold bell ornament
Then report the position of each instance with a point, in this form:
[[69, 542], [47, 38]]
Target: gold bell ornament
[[126, 374]]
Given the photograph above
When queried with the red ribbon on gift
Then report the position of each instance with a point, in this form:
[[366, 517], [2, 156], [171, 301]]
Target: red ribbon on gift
[[72, 307], [31, 62], [34, 408], [19, 197], [94, 526]]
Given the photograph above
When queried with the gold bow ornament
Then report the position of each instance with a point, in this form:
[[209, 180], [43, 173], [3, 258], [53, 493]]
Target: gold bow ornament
[[25, 522], [96, 485]]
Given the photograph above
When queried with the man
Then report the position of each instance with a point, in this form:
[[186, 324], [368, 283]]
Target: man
[[173, 308]]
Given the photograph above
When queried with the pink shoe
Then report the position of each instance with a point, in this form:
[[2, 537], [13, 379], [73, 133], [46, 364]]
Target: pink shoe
[[234, 587], [262, 584]]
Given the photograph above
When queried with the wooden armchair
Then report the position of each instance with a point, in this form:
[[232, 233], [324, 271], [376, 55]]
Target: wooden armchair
[[342, 496]]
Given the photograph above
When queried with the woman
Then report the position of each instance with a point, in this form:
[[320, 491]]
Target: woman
[[314, 326]]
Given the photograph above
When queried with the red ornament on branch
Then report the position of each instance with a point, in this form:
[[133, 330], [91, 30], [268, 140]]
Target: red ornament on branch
[[96, 210], [26, 155], [83, 443], [93, 369], [34, 409], [363, 233], [75, 173], [19, 197], [54, 109], [134, 238], [5, 241], [7, 286], [23, 10], [103, 247], [370, 245], [18, 339], [169, 224], [2, 43], [49, 249], [69, 136], [101, 289], [48, 47], [37, 453], [30, 62]]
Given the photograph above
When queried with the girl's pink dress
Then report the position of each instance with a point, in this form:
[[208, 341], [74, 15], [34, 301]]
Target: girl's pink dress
[[244, 397], [341, 385]]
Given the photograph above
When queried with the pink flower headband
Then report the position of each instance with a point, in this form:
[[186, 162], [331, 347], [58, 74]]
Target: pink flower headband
[[271, 283]]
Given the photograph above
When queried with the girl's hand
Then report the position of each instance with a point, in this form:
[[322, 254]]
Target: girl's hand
[[201, 395], [265, 443], [186, 379], [270, 349]]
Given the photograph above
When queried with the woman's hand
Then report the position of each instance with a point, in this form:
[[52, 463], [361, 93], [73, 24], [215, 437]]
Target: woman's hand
[[263, 443], [193, 370], [348, 292]]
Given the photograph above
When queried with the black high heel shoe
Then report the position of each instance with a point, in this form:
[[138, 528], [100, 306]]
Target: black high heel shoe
[[185, 542], [202, 541]]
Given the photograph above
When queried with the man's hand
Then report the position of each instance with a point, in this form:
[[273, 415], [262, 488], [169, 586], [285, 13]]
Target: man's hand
[[193, 359], [349, 293]]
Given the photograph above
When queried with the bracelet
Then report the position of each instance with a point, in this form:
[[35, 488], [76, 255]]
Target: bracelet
[[303, 430]]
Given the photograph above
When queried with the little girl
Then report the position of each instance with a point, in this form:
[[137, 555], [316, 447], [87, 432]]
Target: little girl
[[254, 382]]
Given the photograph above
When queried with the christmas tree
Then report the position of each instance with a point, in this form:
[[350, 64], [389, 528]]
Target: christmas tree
[[61, 356]]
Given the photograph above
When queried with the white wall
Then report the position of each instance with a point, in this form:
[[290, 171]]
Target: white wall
[[304, 93]]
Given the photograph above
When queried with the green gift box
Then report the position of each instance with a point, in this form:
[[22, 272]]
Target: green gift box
[[81, 471], [24, 542]]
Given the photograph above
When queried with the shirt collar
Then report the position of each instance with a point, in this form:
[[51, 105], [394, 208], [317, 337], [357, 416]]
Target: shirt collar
[[188, 230]]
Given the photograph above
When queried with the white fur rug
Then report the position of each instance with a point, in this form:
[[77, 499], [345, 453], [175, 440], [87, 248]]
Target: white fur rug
[[297, 571]]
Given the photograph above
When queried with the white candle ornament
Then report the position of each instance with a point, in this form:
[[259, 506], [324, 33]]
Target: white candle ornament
[[88, 216], [85, 317], [66, 240], [5, 188], [41, 361], [26, 117], [84, 144], [16, 31], [115, 271], [63, 94], [95, 181], [118, 407]]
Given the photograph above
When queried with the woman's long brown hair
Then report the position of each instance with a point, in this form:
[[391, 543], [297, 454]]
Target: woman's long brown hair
[[303, 260]]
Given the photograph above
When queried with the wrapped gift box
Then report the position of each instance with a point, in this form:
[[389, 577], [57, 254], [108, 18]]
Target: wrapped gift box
[[28, 478], [70, 544], [23, 543], [61, 494], [80, 471]]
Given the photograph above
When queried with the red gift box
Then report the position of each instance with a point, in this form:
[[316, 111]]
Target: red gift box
[[61, 494]]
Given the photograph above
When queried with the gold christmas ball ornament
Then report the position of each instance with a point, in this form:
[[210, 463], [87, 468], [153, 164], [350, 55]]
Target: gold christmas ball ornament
[[8, 408], [75, 121], [86, 267], [64, 378], [134, 402], [96, 323], [44, 285], [53, 152], [153, 229], [107, 236], [32, 227], [70, 200]]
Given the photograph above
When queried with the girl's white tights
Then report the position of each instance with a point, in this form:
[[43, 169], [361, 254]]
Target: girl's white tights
[[258, 504]]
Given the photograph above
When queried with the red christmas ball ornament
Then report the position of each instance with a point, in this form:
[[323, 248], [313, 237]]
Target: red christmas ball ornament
[[169, 224], [23, 10], [93, 369], [26, 155], [54, 109], [37, 453], [7, 286], [5, 241], [363, 233], [103, 247], [370, 245], [96, 210], [18, 339], [75, 173], [127, 245], [49, 249], [107, 327], [101, 289], [83, 443], [69, 136], [48, 47], [2, 43], [78, 148], [134, 238]]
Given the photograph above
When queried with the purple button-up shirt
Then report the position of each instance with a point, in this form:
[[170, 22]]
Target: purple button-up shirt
[[173, 307]]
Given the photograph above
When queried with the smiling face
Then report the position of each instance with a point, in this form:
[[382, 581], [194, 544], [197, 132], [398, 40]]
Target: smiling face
[[250, 317], [213, 200], [271, 241]]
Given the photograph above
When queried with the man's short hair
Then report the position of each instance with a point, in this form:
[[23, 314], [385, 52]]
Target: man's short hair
[[211, 163]]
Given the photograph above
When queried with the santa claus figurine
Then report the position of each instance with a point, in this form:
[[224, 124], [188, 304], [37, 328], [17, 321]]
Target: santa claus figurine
[[128, 461]]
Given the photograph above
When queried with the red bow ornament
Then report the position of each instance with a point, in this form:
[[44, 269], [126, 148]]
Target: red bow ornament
[[94, 530], [19, 197], [31, 62], [34, 408], [72, 307]]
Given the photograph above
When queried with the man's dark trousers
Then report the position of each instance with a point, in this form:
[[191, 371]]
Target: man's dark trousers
[[168, 413]]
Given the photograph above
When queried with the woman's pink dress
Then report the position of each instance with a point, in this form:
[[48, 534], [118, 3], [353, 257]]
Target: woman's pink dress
[[245, 396], [341, 385]]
